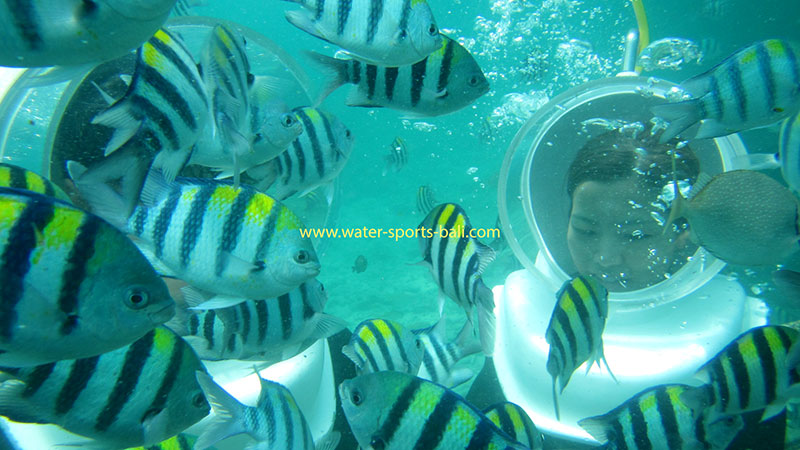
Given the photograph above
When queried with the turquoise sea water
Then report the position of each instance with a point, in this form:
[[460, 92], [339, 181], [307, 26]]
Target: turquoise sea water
[[530, 51]]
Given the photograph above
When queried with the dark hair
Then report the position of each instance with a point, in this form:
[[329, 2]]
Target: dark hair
[[614, 156]]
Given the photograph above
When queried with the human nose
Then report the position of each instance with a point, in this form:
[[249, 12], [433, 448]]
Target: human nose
[[607, 253]]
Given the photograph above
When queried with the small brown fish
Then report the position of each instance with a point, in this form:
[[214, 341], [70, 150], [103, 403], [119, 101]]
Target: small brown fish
[[742, 217], [360, 265]]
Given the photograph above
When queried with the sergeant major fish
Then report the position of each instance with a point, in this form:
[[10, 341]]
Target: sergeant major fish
[[398, 411], [73, 32], [397, 157], [226, 70], [235, 243], [456, 261], [166, 105], [789, 152], [657, 419], [276, 421], [758, 370], [378, 344], [270, 330], [138, 395], [756, 86], [575, 330], [315, 158], [388, 32], [443, 82], [20, 178], [71, 286], [514, 421], [440, 357]]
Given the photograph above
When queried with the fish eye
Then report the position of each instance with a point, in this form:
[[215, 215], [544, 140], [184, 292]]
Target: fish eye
[[302, 257], [419, 344], [377, 443], [473, 80], [199, 400], [259, 266], [403, 34], [433, 30], [137, 298], [288, 120], [355, 397], [348, 134]]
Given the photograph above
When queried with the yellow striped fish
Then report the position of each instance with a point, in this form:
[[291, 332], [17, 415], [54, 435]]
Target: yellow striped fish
[[656, 419], [756, 86], [575, 330], [389, 32], [71, 285], [757, 370], [445, 81], [166, 106], [138, 395], [236, 243], [20, 178], [378, 344], [456, 260], [514, 421], [73, 32], [398, 411]]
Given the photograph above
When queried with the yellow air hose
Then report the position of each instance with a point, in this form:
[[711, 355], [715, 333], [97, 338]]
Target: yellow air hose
[[644, 30]]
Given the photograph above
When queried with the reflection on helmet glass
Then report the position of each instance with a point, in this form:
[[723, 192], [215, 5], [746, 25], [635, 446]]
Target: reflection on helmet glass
[[617, 185]]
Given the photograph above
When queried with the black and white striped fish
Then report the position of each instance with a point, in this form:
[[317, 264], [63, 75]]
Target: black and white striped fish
[[272, 128], [397, 411], [226, 71], [575, 330], [166, 105], [757, 370], [657, 419], [73, 32], [270, 330], [397, 157], [440, 357], [71, 285], [388, 32], [276, 422], [426, 200], [756, 86], [456, 260], [138, 395], [378, 344], [20, 178], [514, 421], [445, 81], [315, 158], [237, 243]]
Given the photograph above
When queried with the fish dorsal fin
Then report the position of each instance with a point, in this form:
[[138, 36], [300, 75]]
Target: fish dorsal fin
[[155, 189]]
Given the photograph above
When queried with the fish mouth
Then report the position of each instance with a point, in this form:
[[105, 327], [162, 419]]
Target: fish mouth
[[164, 314], [313, 270]]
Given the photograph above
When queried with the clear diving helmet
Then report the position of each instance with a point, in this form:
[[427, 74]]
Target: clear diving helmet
[[45, 120], [661, 333]]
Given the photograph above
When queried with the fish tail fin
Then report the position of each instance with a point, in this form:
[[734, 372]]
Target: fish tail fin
[[465, 342], [698, 398], [486, 319], [120, 117], [680, 115], [336, 71], [596, 427], [229, 413], [103, 200]]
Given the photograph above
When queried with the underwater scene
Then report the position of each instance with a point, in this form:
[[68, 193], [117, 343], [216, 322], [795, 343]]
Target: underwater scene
[[400, 224]]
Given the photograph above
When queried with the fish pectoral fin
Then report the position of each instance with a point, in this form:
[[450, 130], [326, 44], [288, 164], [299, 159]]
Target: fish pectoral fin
[[351, 354], [327, 326], [773, 409], [16, 407], [697, 398], [171, 162], [302, 19], [156, 427]]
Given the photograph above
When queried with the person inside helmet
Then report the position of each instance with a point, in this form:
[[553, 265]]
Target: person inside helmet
[[620, 187]]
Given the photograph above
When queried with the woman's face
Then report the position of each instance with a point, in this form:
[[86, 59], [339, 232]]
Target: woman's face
[[613, 236]]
